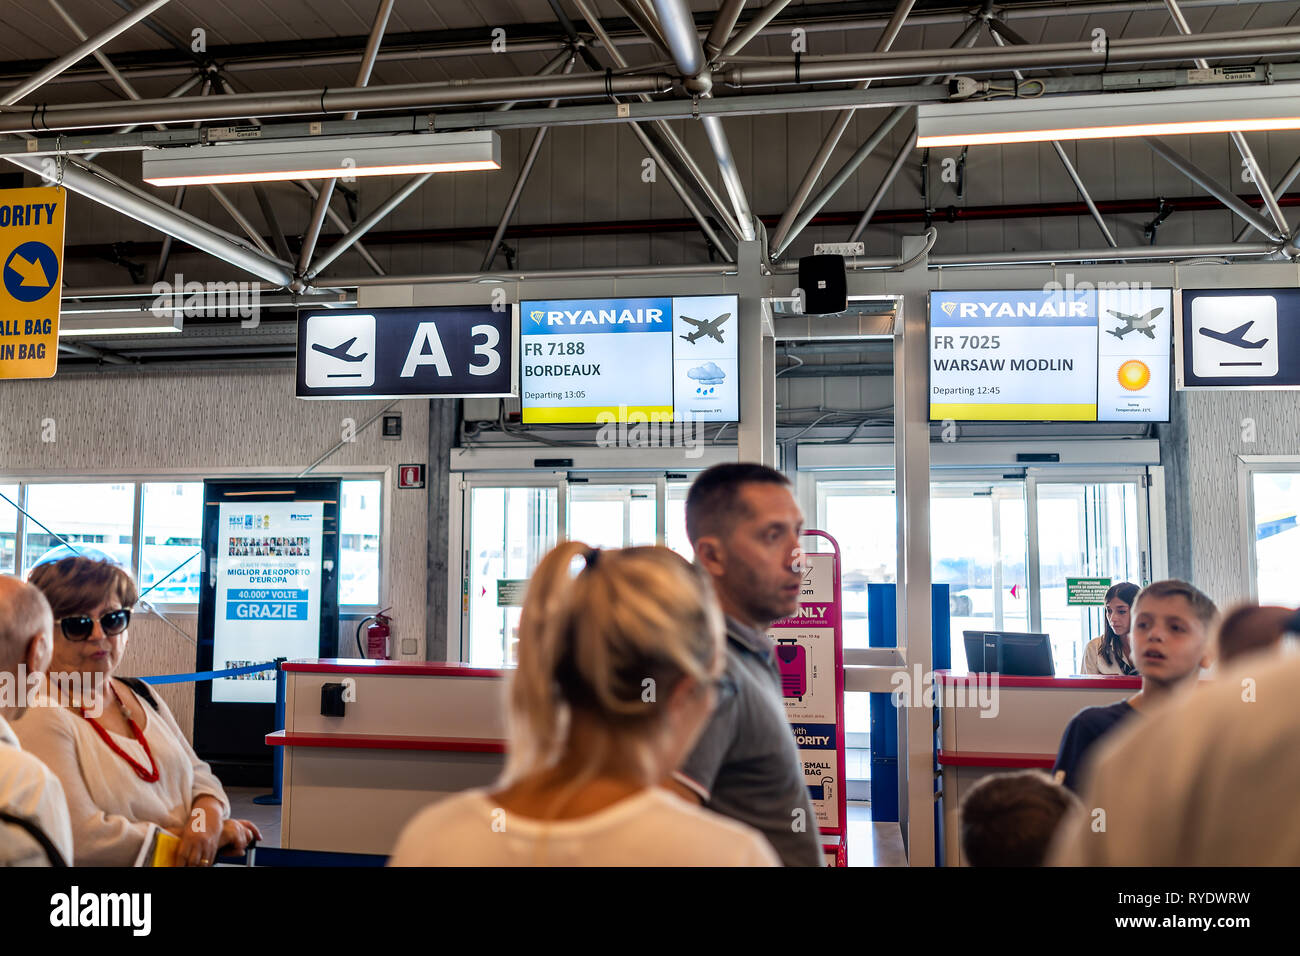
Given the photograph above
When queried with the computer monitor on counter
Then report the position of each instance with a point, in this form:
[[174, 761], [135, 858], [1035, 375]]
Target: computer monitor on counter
[[1009, 652]]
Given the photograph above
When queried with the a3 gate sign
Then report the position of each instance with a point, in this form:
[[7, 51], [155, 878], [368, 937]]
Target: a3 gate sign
[[31, 259], [434, 352]]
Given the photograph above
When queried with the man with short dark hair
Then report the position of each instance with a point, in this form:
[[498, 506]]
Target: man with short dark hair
[[1009, 819], [744, 524], [33, 809]]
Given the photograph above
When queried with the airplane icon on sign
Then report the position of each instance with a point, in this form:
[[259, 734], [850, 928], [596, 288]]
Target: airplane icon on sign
[[341, 351], [712, 329], [1136, 323], [1236, 336]]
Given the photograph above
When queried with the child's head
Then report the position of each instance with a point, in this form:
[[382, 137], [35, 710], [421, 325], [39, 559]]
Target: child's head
[[629, 642], [1250, 628], [1009, 819], [1173, 623]]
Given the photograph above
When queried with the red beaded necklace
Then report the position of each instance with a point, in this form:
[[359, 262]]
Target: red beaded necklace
[[148, 776]]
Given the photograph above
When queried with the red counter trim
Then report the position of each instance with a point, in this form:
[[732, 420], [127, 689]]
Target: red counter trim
[[385, 668], [977, 759], [1086, 682], [481, 745]]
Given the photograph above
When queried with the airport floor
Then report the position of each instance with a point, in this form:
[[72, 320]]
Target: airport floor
[[870, 844]]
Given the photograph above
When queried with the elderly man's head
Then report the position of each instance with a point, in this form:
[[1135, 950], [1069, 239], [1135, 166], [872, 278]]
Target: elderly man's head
[[26, 638]]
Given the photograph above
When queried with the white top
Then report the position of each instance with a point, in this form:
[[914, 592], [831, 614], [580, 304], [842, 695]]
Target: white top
[[650, 828], [114, 813], [1094, 663], [28, 790], [1208, 779]]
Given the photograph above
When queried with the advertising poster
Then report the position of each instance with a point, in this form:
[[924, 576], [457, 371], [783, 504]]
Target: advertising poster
[[1075, 354], [268, 592], [651, 359], [808, 658]]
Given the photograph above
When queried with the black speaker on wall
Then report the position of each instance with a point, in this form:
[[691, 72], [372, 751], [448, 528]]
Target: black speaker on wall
[[825, 290]]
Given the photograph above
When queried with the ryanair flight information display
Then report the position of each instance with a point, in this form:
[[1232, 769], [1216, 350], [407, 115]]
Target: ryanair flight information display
[[1085, 354], [659, 358]]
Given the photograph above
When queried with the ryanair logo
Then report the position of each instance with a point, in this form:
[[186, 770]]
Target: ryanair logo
[[1024, 309], [536, 316], [947, 307], [578, 317]]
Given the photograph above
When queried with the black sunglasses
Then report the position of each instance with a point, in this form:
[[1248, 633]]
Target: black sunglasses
[[81, 626]]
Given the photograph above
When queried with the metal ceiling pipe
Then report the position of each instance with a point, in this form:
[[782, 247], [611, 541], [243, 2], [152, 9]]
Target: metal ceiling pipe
[[1280, 189], [841, 124], [720, 31], [83, 50], [683, 155], [1206, 182], [167, 220], [1043, 56], [754, 27], [1238, 137], [842, 176], [1102, 255], [525, 170], [321, 208], [891, 174], [413, 96], [679, 29]]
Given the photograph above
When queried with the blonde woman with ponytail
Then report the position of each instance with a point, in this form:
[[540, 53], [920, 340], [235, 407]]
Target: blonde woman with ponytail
[[620, 657]]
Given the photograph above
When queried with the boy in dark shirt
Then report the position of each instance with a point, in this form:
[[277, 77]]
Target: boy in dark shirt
[[1170, 634]]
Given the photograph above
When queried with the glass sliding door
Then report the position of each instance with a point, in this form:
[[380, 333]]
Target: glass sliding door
[[508, 530], [1090, 529], [1273, 533], [612, 515]]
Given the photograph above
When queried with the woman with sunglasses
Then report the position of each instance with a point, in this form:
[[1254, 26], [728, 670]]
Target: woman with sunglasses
[[126, 767], [620, 666]]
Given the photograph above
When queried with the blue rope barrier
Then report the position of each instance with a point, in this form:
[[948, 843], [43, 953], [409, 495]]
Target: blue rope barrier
[[209, 675]]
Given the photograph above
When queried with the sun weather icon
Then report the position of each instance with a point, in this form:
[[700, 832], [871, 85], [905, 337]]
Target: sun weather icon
[[707, 377]]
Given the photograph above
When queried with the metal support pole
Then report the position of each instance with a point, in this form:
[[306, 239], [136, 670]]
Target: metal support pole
[[1238, 137], [368, 223], [842, 176], [241, 220], [723, 24], [167, 220], [891, 174], [319, 211], [166, 251], [841, 124], [644, 23], [524, 171], [1282, 186], [83, 50], [688, 54], [272, 223], [752, 28], [669, 136], [1206, 182]]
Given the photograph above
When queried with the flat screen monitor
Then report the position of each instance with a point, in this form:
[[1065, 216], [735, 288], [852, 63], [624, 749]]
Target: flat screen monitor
[[1009, 652], [652, 359], [1081, 354]]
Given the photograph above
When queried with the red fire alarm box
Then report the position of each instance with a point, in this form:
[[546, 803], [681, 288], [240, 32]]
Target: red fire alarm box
[[410, 476]]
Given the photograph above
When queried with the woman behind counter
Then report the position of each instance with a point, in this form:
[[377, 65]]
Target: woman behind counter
[[124, 763], [1112, 652]]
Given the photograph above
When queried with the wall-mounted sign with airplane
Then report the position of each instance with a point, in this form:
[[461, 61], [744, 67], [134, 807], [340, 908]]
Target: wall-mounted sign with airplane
[[1238, 338], [436, 352]]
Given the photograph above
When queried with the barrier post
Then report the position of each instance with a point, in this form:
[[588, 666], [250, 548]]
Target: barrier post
[[272, 799]]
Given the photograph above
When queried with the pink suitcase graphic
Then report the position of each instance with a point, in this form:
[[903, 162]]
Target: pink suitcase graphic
[[792, 664]]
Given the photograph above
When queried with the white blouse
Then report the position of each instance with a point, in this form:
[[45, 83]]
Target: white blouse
[[28, 790], [114, 813]]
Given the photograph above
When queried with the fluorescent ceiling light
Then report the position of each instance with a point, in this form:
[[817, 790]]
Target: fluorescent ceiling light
[[271, 160], [117, 322], [1220, 109]]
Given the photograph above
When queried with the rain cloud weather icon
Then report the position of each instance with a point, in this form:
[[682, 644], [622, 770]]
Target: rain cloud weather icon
[[709, 377]]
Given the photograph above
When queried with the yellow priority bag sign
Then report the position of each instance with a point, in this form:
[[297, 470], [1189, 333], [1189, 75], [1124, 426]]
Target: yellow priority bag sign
[[31, 248]]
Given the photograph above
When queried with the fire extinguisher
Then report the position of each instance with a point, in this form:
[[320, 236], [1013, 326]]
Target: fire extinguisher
[[378, 637]]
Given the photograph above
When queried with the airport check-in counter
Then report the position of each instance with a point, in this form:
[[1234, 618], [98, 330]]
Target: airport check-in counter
[[409, 734], [1015, 725]]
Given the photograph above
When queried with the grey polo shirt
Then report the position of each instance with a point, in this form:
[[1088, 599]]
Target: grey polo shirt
[[745, 765]]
